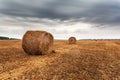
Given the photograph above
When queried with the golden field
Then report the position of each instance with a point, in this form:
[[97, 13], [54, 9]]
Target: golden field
[[86, 60]]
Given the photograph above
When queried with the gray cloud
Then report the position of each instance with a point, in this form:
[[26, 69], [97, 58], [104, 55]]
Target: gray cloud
[[94, 11], [104, 14], [60, 16]]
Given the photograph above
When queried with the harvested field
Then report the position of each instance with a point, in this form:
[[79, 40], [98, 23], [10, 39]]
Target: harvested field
[[85, 60]]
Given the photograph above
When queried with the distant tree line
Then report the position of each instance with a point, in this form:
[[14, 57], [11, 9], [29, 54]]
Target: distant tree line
[[6, 38], [99, 39]]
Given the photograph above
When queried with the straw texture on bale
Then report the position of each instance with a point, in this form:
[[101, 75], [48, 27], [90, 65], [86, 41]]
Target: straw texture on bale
[[37, 42], [72, 40]]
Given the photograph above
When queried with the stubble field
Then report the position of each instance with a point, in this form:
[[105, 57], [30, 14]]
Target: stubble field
[[86, 60]]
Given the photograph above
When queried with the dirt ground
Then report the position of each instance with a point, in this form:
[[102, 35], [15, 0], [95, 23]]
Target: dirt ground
[[86, 60]]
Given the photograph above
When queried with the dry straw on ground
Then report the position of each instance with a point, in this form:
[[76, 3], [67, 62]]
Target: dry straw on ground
[[37, 42], [87, 60], [72, 40]]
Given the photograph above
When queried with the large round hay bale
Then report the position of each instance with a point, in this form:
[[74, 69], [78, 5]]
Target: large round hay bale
[[37, 42], [72, 40]]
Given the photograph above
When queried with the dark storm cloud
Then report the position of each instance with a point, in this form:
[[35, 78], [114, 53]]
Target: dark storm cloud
[[99, 12], [103, 14], [53, 9]]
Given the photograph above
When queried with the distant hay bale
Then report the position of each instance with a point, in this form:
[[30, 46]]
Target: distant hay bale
[[37, 42], [72, 40]]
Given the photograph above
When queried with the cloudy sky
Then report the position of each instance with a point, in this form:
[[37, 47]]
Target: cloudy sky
[[84, 19]]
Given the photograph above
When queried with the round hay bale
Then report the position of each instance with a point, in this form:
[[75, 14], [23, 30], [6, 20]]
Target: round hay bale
[[72, 40], [37, 42]]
